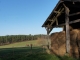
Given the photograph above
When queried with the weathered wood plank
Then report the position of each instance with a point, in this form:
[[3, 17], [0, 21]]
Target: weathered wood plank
[[67, 29], [60, 25], [75, 21], [48, 40], [58, 12], [74, 14], [71, 22], [51, 29]]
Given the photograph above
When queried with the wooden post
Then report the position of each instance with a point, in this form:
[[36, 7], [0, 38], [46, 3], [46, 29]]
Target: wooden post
[[48, 38], [31, 48], [67, 29], [43, 48], [13, 51]]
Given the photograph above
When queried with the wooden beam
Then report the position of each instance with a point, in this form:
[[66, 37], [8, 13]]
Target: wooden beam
[[48, 25], [74, 6], [50, 20], [51, 29], [75, 21], [56, 21], [60, 25], [57, 16], [58, 12], [67, 29], [54, 18], [74, 14], [71, 22]]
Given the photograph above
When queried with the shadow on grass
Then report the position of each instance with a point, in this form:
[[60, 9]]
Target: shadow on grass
[[25, 53], [7, 53]]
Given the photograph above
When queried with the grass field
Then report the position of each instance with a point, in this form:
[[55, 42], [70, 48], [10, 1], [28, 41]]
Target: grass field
[[20, 44], [19, 51], [25, 43], [25, 53]]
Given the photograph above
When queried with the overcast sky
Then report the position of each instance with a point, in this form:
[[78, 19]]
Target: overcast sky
[[25, 16]]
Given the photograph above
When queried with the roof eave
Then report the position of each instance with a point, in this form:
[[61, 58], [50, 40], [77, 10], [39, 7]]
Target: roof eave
[[52, 12]]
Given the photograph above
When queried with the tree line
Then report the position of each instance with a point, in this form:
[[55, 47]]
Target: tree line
[[8, 39]]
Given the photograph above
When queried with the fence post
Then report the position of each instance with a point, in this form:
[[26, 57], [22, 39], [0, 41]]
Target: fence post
[[13, 51], [31, 48], [43, 49]]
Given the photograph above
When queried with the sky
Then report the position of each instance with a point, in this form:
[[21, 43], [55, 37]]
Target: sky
[[25, 16]]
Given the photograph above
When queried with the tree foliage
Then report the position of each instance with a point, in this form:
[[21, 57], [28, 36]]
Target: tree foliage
[[4, 40]]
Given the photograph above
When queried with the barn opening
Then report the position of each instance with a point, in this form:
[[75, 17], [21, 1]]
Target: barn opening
[[66, 14]]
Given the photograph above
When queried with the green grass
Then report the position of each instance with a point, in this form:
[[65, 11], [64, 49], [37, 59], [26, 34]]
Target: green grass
[[25, 53], [19, 51], [20, 44]]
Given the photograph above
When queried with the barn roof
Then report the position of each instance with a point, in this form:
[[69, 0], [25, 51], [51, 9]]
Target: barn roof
[[57, 16]]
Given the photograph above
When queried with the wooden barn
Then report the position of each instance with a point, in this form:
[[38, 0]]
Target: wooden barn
[[66, 14]]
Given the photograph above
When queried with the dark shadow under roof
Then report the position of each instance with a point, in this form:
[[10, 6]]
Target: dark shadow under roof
[[58, 13]]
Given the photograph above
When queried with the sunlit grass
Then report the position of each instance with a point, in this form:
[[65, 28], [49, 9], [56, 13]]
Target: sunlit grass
[[20, 44], [36, 43], [19, 51]]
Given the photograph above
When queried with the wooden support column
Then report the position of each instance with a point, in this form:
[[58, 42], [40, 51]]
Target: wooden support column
[[67, 29], [48, 40]]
